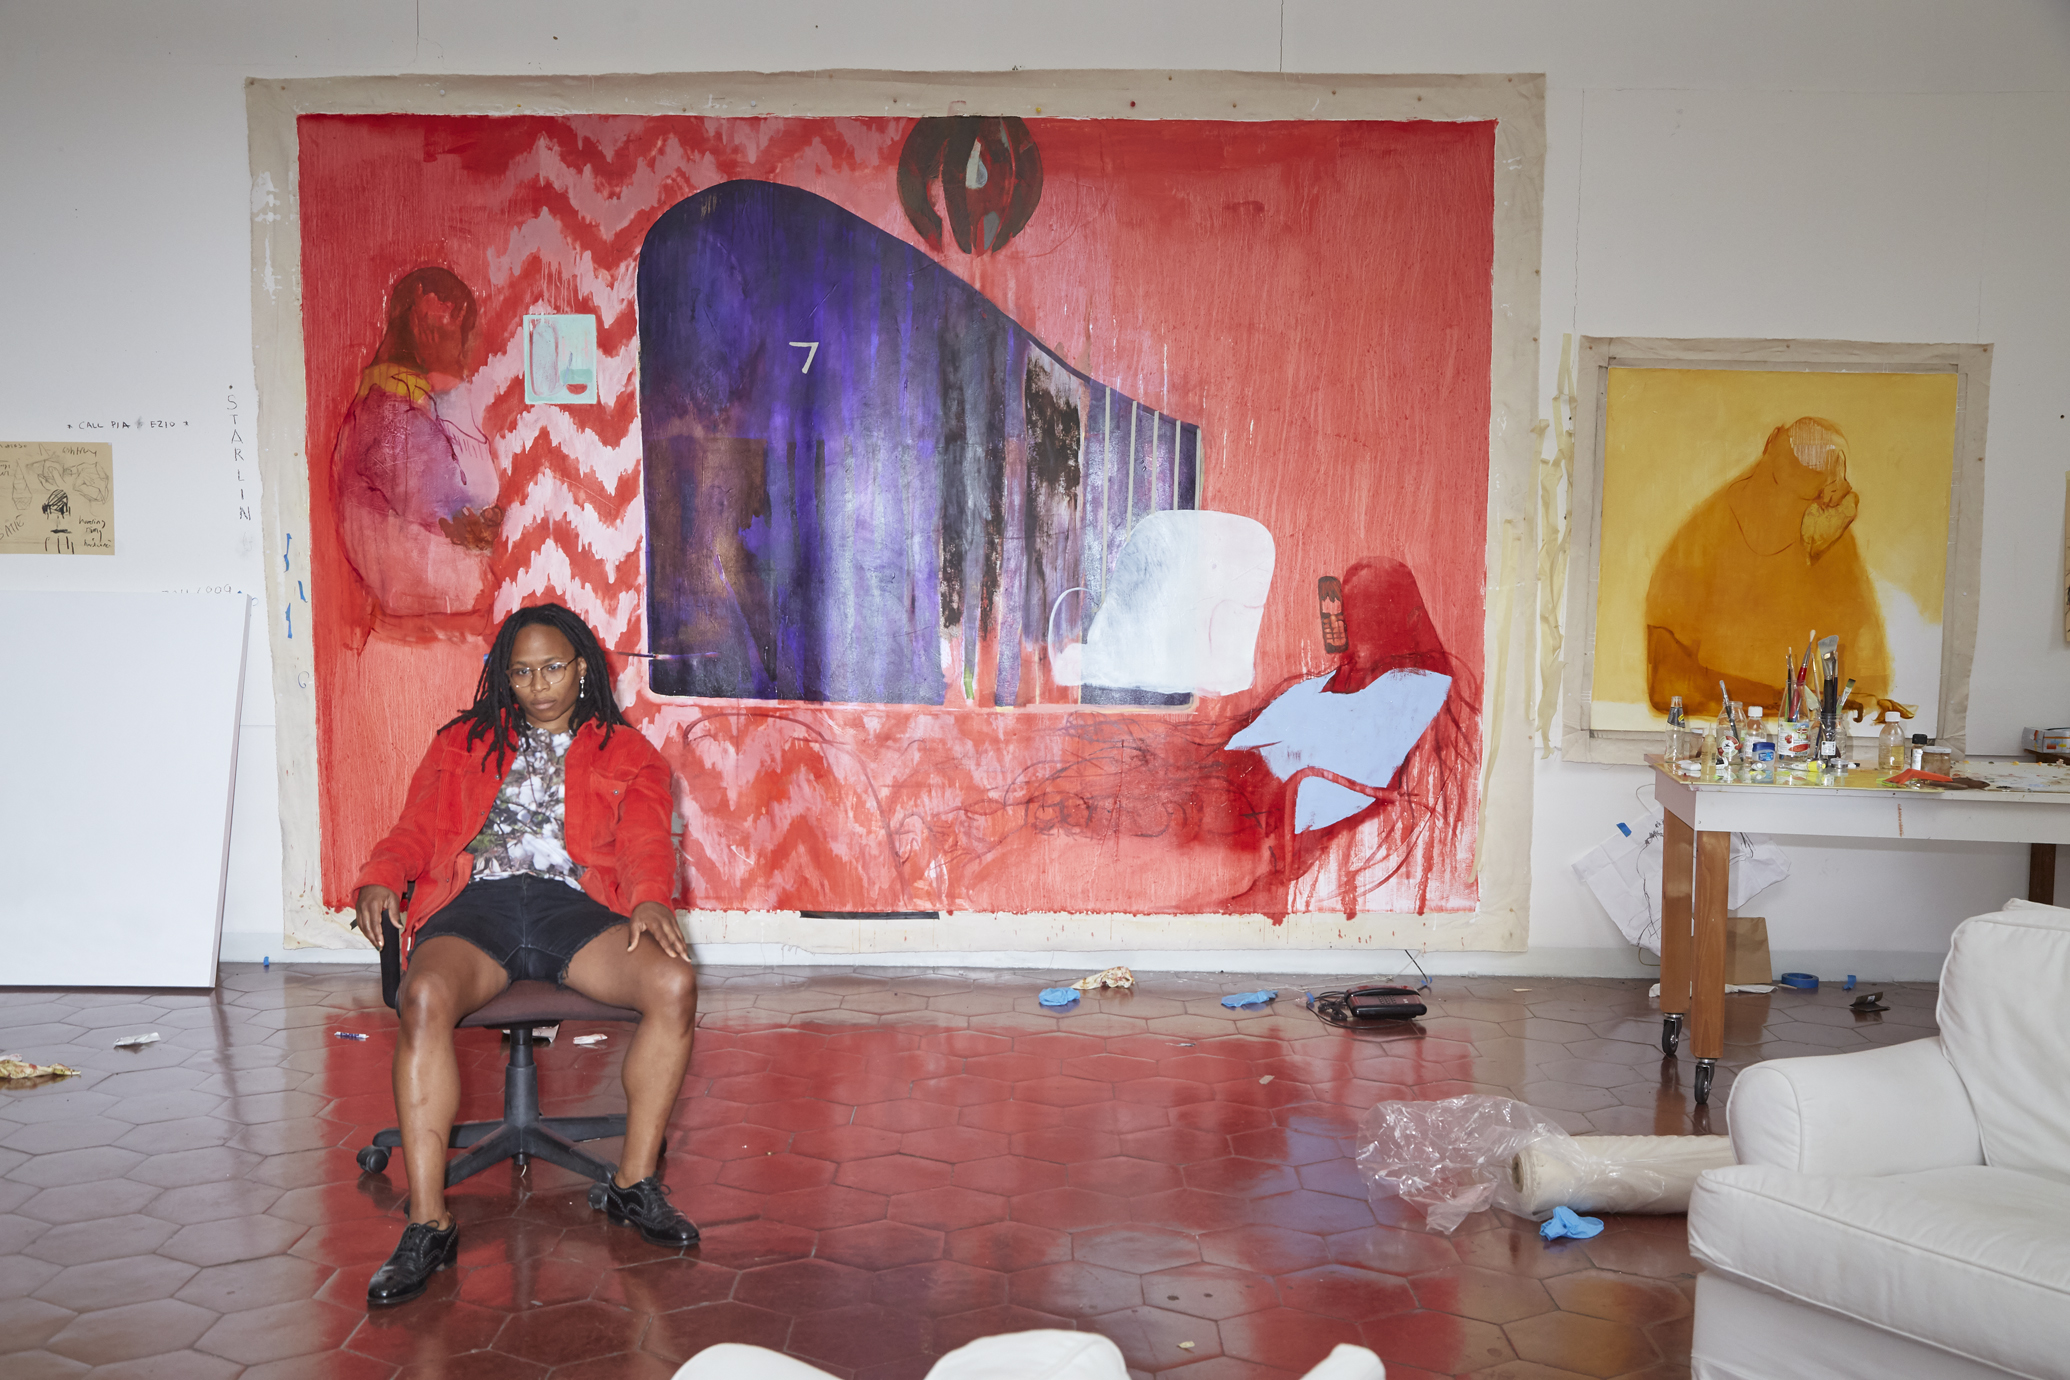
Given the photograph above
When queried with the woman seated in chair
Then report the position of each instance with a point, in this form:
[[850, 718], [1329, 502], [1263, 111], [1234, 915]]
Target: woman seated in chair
[[537, 832]]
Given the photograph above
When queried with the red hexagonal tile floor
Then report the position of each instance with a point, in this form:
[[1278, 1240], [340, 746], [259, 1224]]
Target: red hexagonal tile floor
[[886, 1164]]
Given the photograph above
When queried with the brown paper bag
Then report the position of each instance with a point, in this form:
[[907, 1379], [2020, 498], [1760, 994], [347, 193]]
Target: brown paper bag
[[1746, 951]]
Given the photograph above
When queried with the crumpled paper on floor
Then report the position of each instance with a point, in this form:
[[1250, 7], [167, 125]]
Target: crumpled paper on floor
[[1112, 977], [13, 1067]]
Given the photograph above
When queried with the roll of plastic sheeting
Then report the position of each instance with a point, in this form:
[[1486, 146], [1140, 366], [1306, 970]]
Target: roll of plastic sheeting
[[1614, 1173]]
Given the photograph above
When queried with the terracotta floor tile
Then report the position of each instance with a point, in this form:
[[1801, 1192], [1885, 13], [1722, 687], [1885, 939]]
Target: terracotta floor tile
[[1151, 1338], [1009, 1174], [1191, 1209], [1074, 1289], [1124, 1175], [938, 1288], [278, 1331], [677, 1336], [1340, 1291], [1269, 1250], [962, 1328], [1242, 1177], [570, 1332], [1439, 1342], [803, 1286], [1210, 1291], [887, 1163], [885, 1245], [948, 1209], [428, 1328], [954, 1144], [1136, 1248], [1285, 1337], [1589, 1346], [113, 1283], [857, 1337], [1013, 1117], [1123, 1115], [890, 1174], [133, 1331], [1009, 1246], [1069, 1209], [1619, 1297]]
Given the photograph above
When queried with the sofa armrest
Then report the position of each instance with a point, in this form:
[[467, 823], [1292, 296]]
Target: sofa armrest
[[1895, 1110]]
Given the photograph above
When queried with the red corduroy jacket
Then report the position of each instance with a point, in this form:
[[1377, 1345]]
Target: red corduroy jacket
[[615, 827]]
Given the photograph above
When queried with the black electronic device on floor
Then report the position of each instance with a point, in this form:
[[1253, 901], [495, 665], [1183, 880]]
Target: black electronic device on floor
[[1367, 1006]]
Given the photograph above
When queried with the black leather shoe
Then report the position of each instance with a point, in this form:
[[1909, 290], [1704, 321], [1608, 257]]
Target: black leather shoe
[[646, 1206], [422, 1253]]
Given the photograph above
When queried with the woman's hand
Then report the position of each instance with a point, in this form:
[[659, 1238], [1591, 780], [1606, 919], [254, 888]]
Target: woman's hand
[[652, 917], [372, 903]]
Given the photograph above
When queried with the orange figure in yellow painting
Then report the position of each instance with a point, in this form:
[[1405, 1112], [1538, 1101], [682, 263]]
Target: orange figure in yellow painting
[[1761, 563]]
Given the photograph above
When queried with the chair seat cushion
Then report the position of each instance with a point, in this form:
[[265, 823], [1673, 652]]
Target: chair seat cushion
[[1974, 1260], [543, 1003]]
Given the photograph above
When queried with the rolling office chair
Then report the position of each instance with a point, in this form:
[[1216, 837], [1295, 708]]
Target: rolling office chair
[[522, 1132]]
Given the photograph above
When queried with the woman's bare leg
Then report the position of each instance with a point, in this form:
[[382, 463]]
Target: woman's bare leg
[[664, 991], [447, 978]]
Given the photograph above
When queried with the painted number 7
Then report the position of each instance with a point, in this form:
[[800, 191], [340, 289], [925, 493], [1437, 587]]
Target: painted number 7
[[811, 348]]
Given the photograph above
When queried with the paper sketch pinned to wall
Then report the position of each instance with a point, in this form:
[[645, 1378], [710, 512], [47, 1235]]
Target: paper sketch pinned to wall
[[1182, 608], [57, 498], [561, 359]]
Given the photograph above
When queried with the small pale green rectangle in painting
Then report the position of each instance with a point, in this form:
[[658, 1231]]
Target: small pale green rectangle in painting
[[560, 359], [57, 498]]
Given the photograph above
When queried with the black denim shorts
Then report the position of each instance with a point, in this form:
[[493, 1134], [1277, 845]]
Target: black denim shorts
[[533, 926]]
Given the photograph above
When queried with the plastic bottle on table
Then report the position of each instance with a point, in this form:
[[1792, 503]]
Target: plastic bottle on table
[[1760, 749], [1731, 761], [1890, 744]]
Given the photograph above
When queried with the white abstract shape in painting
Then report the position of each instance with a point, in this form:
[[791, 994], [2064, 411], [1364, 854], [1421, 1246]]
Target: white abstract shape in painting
[[1362, 737], [1182, 609]]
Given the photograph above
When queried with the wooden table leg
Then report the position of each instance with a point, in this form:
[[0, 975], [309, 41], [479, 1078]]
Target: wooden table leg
[[2041, 873], [1677, 870], [1707, 982]]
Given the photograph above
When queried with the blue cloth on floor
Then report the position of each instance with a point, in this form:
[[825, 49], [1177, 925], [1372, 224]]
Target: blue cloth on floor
[[1059, 996], [1566, 1222], [1259, 998]]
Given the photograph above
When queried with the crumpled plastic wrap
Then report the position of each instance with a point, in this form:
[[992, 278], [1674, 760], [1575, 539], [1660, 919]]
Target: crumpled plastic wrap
[[1459, 1156]]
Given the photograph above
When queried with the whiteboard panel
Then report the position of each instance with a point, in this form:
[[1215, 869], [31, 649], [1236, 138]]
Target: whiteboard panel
[[120, 739]]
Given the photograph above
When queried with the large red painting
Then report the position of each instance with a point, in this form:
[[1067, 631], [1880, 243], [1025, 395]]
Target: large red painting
[[1059, 515]]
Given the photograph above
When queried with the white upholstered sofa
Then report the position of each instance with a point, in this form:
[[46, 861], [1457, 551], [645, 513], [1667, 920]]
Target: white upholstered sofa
[[1905, 1211]]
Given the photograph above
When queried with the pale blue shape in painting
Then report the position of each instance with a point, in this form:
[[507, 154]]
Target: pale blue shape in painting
[[1362, 736], [560, 359]]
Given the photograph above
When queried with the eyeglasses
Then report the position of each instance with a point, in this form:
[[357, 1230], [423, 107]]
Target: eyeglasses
[[549, 674]]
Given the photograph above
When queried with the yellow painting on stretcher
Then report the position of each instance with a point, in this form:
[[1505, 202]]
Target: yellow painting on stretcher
[[1743, 509]]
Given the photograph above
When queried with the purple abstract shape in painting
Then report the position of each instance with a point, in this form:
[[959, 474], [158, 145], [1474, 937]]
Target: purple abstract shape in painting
[[855, 462]]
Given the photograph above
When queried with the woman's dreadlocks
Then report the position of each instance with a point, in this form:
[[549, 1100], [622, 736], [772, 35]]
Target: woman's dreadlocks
[[497, 715]]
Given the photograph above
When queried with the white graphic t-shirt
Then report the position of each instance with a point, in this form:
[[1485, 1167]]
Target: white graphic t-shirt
[[523, 832]]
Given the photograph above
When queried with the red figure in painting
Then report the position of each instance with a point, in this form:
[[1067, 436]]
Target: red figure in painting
[[416, 490]]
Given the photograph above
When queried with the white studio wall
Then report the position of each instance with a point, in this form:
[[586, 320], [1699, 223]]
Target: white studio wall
[[1839, 170], [118, 820]]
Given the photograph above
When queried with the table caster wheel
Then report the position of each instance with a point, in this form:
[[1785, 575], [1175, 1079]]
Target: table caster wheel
[[1670, 1034], [1704, 1069], [372, 1160]]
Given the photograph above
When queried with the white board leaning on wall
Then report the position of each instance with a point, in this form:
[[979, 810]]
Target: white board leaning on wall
[[120, 739]]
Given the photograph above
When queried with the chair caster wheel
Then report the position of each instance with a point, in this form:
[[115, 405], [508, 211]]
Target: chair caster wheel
[[1670, 1034], [596, 1197], [372, 1160], [1704, 1069]]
